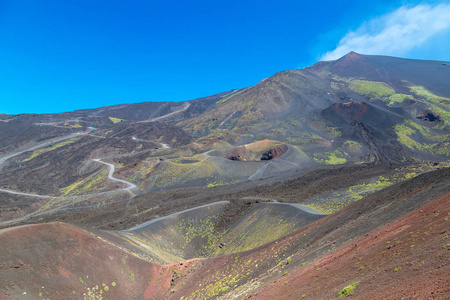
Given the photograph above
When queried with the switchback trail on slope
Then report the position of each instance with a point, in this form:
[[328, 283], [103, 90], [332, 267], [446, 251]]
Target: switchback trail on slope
[[185, 106], [112, 168], [42, 145]]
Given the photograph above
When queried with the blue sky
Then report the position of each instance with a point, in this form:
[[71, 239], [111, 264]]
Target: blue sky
[[65, 55]]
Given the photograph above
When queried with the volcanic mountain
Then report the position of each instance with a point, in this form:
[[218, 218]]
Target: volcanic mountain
[[338, 171]]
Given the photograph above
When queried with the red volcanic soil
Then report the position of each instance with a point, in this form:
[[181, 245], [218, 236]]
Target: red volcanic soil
[[406, 259], [395, 243], [261, 150], [60, 261], [351, 110]]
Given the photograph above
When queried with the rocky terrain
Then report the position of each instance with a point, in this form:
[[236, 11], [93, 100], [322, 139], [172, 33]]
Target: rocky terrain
[[377, 247], [312, 180]]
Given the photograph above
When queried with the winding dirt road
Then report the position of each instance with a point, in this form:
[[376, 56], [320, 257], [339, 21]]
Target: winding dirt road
[[26, 194], [45, 144], [112, 169], [185, 106], [164, 146]]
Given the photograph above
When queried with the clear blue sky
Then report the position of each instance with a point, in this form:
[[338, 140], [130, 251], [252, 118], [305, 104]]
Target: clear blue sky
[[59, 55]]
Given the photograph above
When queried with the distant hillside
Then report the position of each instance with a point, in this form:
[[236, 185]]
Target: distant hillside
[[359, 109]]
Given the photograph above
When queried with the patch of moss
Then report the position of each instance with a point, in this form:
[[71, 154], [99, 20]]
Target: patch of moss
[[408, 131], [325, 127], [172, 173], [44, 150], [396, 98], [372, 89], [203, 228], [84, 185], [438, 105], [353, 146], [330, 158], [348, 290], [330, 203], [260, 232], [115, 120]]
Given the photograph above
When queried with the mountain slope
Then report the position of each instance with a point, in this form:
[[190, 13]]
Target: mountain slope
[[185, 198], [296, 107], [383, 243], [356, 110]]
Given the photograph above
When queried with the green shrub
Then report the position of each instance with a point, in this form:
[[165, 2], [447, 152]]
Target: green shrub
[[348, 289]]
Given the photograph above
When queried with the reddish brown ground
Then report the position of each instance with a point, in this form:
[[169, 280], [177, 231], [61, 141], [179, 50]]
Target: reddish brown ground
[[406, 259], [60, 261], [351, 110], [395, 243]]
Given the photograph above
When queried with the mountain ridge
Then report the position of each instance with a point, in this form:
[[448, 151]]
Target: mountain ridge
[[318, 182]]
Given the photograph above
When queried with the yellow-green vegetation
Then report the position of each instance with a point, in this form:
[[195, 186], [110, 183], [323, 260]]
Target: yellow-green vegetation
[[44, 150], [348, 289], [200, 228], [396, 98], [95, 292], [335, 201], [172, 173], [186, 160], [217, 183], [408, 131], [404, 133], [81, 201], [222, 281], [339, 78], [214, 289], [144, 171], [423, 92], [372, 89], [382, 182], [228, 98], [438, 105], [242, 113], [353, 146], [220, 183], [84, 185], [153, 250], [306, 139], [260, 232], [115, 120], [328, 207], [331, 158], [325, 127]]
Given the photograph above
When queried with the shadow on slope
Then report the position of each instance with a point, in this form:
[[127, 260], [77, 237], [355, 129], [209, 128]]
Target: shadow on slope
[[392, 243], [197, 232]]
